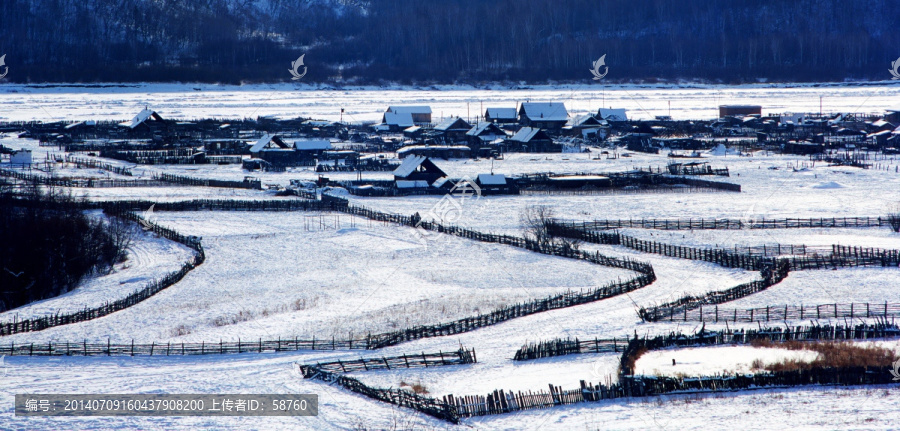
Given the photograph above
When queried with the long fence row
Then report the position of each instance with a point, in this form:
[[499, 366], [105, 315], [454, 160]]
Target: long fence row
[[502, 402], [420, 360], [731, 224], [789, 312], [254, 184], [561, 347], [47, 180]]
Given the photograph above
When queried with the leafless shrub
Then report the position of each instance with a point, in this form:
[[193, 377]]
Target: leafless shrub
[[894, 218]]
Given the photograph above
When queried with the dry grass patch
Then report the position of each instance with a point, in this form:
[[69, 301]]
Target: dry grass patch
[[831, 355], [416, 388]]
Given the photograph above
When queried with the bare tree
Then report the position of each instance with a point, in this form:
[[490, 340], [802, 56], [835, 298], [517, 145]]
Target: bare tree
[[535, 219], [894, 218]]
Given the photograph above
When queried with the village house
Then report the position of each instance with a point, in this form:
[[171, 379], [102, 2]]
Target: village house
[[453, 129], [420, 115], [586, 127], [532, 140], [549, 116], [610, 114], [500, 115]]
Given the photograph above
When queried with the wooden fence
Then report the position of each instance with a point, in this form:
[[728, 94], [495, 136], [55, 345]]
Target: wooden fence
[[205, 182], [701, 223], [789, 312], [91, 163], [421, 360], [771, 275], [559, 347], [628, 385], [76, 182], [398, 397]]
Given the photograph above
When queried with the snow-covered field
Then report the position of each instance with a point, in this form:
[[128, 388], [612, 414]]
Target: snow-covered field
[[271, 275]]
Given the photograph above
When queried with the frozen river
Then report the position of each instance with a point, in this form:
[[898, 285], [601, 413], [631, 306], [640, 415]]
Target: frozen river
[[20, 102]]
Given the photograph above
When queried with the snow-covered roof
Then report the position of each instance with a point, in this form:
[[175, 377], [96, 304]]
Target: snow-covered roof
[[481, 127], [583, 120], [409, 109], [138, 119], [452, 123], [525, 134], [409, 165], [261, 143], [612, 114], [501, 113], [545, 111], [435, 147], [312, 145], [403, 119], [412, 129], [881, 123], [402, 184], [492, 179], [318, 123]]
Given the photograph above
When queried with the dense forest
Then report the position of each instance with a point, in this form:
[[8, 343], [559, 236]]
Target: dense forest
[[462, 41], [48, 246]]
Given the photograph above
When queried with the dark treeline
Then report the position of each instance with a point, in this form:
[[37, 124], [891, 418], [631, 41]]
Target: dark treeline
[[448, 41], [48, 246]]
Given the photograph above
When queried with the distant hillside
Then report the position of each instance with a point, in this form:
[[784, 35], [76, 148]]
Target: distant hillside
[[356, 41]]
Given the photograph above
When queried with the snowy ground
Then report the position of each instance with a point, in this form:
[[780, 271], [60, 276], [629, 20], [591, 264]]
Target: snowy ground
[[269, 275]]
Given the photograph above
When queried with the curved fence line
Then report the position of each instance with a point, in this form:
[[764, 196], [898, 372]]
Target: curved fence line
[[41, 323], [329, 203]]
